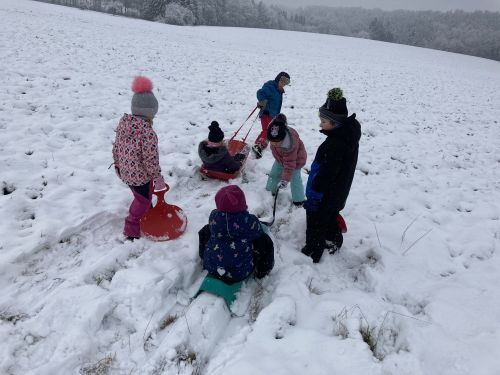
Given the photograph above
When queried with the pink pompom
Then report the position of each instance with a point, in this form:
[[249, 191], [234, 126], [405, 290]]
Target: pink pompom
[[142, 84]]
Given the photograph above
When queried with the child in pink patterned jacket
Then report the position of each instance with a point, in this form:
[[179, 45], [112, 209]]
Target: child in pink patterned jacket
[[135, 154], [289, 157]]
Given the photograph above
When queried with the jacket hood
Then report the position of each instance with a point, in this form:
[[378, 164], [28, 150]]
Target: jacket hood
[[230, 199], [211, 155], [349, 131]]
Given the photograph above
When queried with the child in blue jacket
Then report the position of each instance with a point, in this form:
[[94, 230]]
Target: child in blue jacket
[[270, 99], [233, 244]]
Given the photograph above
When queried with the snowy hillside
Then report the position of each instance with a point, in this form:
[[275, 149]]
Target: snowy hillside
[[420, 267]]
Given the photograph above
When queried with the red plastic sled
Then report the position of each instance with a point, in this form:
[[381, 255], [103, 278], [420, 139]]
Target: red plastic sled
[[164, 221], [342, 224], [234, 147]]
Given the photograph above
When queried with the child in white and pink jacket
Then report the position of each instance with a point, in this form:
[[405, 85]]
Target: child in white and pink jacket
[[135, 154], [289, 157]]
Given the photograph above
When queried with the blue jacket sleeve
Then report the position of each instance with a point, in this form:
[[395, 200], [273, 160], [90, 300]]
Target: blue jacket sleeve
[[264, 92]]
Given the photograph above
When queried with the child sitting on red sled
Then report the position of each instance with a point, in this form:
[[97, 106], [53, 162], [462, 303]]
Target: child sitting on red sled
[[215, 155], [233, 243]]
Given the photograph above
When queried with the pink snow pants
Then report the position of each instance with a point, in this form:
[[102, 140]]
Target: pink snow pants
[[138, 207]]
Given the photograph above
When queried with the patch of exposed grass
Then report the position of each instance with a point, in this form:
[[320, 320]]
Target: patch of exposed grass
[[167, 321], [8, 316], [102, 367], [369, 337], [105, 276]]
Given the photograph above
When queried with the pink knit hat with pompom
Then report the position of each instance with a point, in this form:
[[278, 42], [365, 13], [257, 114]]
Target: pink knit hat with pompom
[[144, 102]]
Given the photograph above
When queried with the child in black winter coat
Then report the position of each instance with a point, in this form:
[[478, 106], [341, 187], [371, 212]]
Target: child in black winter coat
[[233, 244], [331, 176], [214, 153]]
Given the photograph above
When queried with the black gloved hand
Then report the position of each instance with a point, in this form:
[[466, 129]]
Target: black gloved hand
[[239, 157]]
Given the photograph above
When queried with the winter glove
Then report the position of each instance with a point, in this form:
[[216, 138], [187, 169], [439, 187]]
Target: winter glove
[[312, 205], [159, 183], [239, 157], [262, 103], [283, 184]]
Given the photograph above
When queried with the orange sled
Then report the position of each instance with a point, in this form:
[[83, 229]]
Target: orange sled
[[164, 221]]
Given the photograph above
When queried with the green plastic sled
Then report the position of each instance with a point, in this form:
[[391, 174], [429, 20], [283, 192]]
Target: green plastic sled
[[219, 288]]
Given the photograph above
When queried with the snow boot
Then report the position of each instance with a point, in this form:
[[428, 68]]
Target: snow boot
[[334, 242]]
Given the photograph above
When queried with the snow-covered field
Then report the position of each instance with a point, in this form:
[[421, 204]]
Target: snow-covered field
[[419, 271]]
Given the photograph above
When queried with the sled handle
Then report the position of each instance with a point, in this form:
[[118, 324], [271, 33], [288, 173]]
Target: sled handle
[[160, 194], [244, 122], [251, 126]]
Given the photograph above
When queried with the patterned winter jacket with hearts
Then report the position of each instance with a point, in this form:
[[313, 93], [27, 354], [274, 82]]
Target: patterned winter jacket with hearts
[[294, 157], [229, 251], [135, 151]]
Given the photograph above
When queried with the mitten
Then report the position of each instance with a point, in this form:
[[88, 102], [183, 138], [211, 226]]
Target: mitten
[[159, 183], [239, 157]]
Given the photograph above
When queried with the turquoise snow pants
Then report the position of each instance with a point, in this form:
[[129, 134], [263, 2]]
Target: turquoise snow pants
[[295, 183]]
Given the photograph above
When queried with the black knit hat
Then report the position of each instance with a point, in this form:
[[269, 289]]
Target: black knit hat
[[335, 108], [216, 135], [276, 130]]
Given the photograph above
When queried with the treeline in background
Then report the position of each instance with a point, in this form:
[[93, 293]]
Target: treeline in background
[[472, 33]]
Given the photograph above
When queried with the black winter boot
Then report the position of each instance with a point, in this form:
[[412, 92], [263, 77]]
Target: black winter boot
[[314, 254], [334, 241]]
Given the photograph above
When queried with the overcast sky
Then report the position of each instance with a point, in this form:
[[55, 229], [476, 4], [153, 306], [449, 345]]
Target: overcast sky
[[442, 5]]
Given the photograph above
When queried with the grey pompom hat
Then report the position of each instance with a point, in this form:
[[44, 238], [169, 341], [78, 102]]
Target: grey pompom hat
[[144, 102]]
